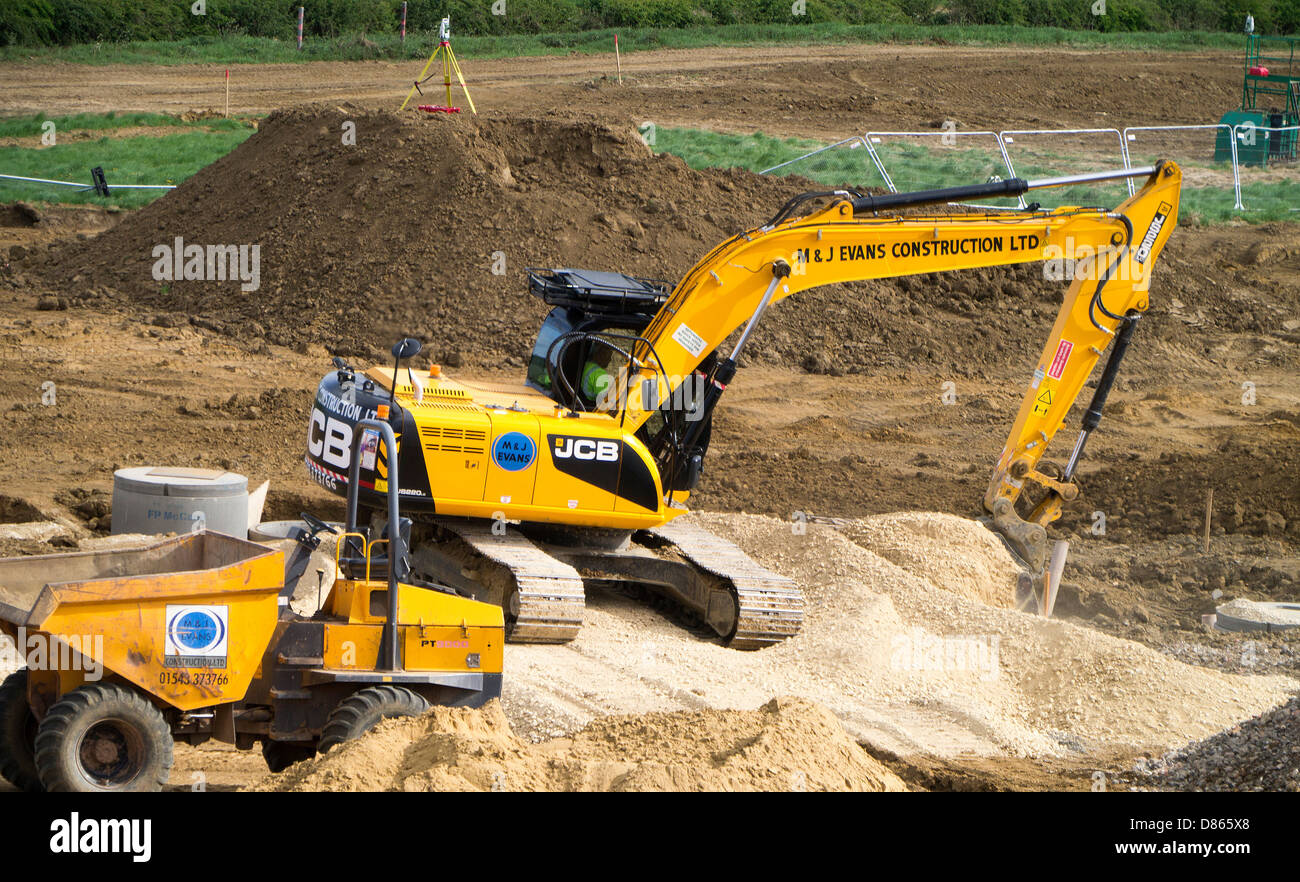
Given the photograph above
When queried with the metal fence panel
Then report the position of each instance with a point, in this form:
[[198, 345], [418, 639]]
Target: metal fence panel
[[1227, 171], [1204, 152], [1049, 153], [845, 163], [1267, 169], [930, 160]]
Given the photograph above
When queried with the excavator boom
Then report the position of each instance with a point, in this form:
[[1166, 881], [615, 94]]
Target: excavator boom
[[848, 240], [1110, 252]]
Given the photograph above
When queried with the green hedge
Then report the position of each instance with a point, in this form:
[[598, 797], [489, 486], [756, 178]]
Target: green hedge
[[50, 22]]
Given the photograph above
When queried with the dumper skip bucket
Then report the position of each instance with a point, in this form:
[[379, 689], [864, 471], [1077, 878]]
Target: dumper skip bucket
[[185, 619]]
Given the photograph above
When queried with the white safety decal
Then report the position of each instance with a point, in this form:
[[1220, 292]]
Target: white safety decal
[[689, 340]]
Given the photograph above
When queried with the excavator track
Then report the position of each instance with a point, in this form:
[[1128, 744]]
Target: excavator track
[[548, 599], [766, 607], [541, 582]]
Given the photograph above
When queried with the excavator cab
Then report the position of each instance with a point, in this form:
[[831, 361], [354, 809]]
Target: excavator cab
[[585, 343], [580, 338], [575, 351]]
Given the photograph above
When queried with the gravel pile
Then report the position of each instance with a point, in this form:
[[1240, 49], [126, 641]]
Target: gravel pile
[[907, 639], [1263, 753]]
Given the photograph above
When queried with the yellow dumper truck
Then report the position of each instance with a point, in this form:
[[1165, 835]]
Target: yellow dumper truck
[[192, 638]]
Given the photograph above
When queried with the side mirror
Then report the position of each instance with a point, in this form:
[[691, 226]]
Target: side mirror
[[407, 347]]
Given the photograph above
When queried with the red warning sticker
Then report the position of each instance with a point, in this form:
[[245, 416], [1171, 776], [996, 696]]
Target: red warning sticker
[[1059, 360]]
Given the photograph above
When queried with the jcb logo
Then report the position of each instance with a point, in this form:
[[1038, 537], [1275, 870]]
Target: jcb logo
[[330, 439], [586, 448]]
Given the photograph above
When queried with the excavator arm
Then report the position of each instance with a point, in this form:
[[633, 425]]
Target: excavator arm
[[856, 237]]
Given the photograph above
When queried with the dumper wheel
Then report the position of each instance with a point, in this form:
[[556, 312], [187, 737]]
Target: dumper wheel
[[103, 737], [18, 734], [280, 755], [359, 712]]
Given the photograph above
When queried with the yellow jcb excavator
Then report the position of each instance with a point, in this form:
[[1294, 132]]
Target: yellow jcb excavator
[[520, 493]]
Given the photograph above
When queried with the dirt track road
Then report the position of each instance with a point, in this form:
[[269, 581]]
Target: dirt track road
[[813, 91]]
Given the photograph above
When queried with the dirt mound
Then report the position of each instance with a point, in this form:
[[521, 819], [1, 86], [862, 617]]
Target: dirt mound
[[1157, 497], [787, 744], [401, 232], [424, 226]]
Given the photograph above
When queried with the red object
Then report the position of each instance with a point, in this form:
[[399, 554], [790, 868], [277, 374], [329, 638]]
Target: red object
[[1258, 71], [1059, 361], [436, 108]]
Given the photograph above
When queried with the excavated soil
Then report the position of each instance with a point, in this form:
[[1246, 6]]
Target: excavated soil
[[399, 233], [787, 744], [825, 92], [837, 412]]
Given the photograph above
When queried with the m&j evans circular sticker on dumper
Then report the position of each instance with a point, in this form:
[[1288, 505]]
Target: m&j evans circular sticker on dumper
[[196, 636]]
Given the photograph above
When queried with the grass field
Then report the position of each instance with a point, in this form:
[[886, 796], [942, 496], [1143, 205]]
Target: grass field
[[911, 163], [236, 49], [142, 159], [1207, 196], [23, 126]]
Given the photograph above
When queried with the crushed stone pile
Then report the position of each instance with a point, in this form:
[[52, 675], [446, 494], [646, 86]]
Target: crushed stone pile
[[909, 539], [1261, 754], [787, 744], [922, 655]]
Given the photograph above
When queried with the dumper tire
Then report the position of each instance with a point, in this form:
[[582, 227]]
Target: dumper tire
[[359, 712], [103, 737], [280, 755], [18, 734]]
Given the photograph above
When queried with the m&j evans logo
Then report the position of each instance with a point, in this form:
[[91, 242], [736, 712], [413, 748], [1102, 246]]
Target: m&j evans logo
[[196, 636]]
